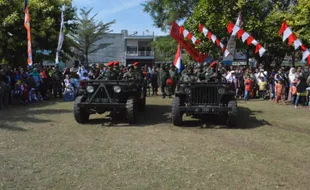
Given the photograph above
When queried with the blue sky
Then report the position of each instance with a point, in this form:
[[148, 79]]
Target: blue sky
[[127, 13]]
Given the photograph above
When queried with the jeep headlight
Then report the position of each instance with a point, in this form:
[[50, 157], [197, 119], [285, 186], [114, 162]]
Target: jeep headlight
[[90, 89], [187, 90], [221, 91], [117, 89]]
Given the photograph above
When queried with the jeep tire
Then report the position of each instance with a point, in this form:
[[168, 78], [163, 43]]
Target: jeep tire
[[80, 114], [232, 115], [176, 113], [131, 110]]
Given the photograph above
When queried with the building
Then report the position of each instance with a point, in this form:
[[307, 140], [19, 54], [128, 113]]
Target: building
[[125, 48]]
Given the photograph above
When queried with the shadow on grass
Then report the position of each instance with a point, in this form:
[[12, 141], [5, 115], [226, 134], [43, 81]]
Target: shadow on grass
[[153, 115], [27, 114], [5, 126], [245, 120], [161, 114]]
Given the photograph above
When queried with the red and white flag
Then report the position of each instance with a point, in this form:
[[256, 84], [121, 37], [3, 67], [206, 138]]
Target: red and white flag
[[178, 59]]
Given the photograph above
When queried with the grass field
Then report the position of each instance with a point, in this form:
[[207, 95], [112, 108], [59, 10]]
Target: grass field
[[42, 147]]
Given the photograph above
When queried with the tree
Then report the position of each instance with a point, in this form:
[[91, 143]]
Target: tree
[[261, 18], [45, 23], [89, 33], [164, 12], [165, 48]]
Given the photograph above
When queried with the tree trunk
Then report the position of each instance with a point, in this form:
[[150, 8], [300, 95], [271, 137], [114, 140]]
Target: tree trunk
[[86, 56]]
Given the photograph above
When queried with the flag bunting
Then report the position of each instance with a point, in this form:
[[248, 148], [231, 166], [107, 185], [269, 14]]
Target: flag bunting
[[289, 35], [207, 33], [189, 36], [236, 30]]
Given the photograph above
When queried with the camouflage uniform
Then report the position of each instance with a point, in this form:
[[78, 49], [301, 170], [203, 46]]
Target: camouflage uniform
[[57, 83], [164, 75], [110, 74], [118, 72], [189, 76], [129, 75], [174, 76], [154, 81]]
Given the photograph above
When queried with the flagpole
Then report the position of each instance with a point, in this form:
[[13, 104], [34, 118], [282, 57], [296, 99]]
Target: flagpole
[[61, 36]]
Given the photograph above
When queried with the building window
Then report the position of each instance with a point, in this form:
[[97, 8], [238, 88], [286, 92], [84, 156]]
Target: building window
[[132, 49]]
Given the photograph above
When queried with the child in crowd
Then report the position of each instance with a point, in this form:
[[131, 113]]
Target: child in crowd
[[17, 92], [262, 84], [24, 88], [293, 91], [248, 88], [279, 92]]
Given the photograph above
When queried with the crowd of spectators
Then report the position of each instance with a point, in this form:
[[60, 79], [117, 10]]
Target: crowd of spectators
[[285, 85]]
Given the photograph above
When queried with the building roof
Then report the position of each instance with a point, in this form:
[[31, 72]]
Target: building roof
[[139, 37]]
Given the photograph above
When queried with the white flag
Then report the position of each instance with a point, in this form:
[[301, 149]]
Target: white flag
[[61, 34]]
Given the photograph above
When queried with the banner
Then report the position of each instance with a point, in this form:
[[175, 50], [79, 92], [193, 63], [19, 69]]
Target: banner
[[27, 26], [61, 35], [231, 44]]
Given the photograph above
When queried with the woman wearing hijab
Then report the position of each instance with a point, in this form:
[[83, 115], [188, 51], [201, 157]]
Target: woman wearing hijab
[[292, 77]]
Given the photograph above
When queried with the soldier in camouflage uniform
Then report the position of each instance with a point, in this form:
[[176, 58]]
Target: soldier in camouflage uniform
[[109, 74], [210, 72], [199, 72], [164, 76], [130, 74], [138, 71], [117, 69], [189, 75], [154, 80], [174, 76], [57, 79]]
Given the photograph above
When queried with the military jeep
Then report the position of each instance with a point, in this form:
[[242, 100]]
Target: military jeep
[[121, 98], [198, 99]]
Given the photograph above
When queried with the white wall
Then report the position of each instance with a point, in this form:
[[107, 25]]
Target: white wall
[[114, 52]]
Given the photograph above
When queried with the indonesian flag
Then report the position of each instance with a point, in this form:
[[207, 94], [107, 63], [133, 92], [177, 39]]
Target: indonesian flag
[[178, 59]]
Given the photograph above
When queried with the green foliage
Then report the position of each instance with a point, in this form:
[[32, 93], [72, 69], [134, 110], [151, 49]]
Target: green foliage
[[45, 24], [261, 18], [89, 32], [165, 48], [164, 12]]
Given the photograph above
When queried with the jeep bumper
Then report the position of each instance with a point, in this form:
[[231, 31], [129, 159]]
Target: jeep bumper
[[204, 109], [105, 106]]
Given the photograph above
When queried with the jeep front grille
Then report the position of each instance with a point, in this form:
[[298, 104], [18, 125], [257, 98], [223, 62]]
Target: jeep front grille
[[101, 94], [204, 95]]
